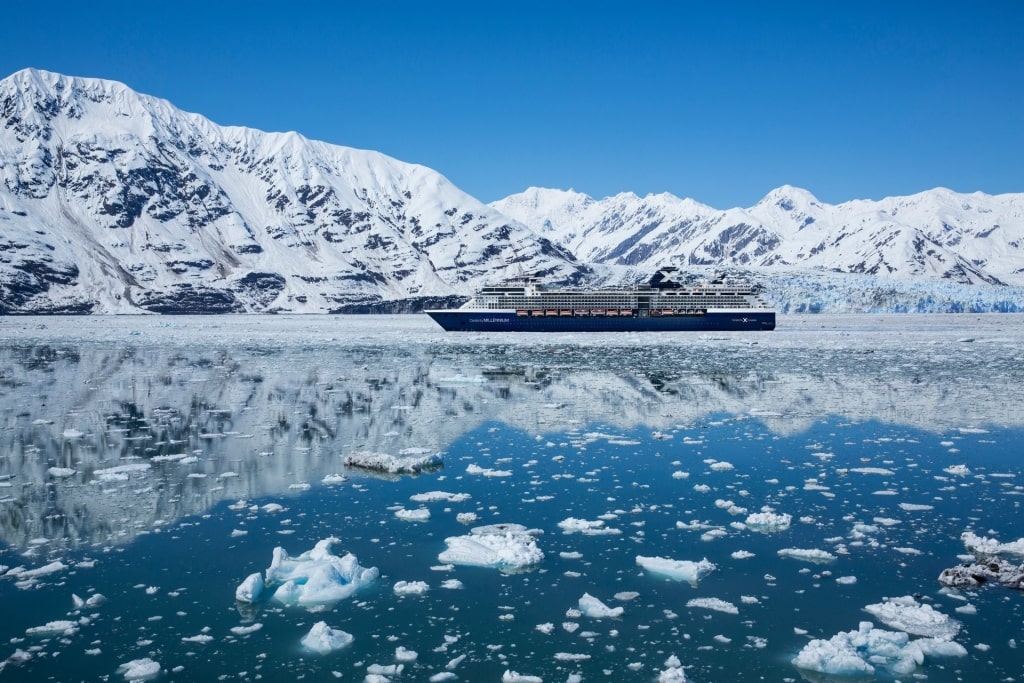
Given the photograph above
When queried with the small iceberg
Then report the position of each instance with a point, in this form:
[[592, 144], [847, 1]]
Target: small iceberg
[[323, 639], [595, 609], [501, 546], [677, 570], [919, 619], [316, 577]]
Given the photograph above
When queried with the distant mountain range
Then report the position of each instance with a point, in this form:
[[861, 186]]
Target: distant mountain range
[[116, 202]]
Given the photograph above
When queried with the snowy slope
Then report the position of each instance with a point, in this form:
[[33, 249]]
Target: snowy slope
[[112, 201], [964, 238]]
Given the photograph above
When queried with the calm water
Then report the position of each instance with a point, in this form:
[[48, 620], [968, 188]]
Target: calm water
[[847, 424]]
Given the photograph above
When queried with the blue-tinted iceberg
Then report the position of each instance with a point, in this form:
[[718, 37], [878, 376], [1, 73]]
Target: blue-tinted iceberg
[[323, 639], [316, 577], [677, 570]]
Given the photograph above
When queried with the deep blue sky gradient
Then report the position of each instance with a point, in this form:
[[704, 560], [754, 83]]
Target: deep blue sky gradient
[[721, 102]]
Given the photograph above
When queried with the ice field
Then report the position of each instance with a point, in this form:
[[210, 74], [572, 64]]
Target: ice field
[[369, 498]]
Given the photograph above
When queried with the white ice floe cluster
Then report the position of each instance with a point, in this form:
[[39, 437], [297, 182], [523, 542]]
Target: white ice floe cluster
[[868, 649], [408, 461], [673, 671], [316, 577], [713, 604], [982, 545], [500, 546], [768, 521], [808, 555], [677, 570], [572, 525], [916, 618]]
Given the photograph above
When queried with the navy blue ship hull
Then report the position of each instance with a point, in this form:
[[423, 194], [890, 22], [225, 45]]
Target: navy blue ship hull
[[507, 321]]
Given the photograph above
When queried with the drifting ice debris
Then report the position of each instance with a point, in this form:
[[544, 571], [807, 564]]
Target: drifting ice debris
[[501, 546], [139, 669], [919, 619], [323, 639], [677, 570], [768, 521], [974, 574], [409, 461], [858, 653], [989, 546], [673, 672], [807, 554], [595, 609], [714, 604], [316, 577]]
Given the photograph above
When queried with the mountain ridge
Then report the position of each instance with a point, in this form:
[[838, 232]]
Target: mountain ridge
[[116, 202]]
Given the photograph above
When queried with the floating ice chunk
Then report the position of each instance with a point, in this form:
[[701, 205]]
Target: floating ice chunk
[[721, 466], [808, 554], [473, 468], [54, 628], [334, 478], [404, 655], [677, 570], [595, 527], [673, 671], [202, 639], [714, 604], [72, 433], [406, 463], [61, 472], [993, 569], [466, 517], [246, 630], [858, 653], [514, 677], [46, 569], [742, 555], [595, 609], [915, 507], [768, 521], [316, 576], [502, 546], [846, 580], [443, 677], [437, 496], [323, 639], [919, 619], [119, 472], [419, 515], [872, 470], [250, 589], [990, 546], [411, 587], [95, 600], [139, 669], [957, 470]]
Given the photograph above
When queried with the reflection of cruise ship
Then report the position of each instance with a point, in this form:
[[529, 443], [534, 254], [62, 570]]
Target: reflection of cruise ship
[[661, 305]]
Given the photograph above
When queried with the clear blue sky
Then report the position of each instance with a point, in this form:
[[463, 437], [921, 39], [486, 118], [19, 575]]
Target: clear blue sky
[[717, 101]]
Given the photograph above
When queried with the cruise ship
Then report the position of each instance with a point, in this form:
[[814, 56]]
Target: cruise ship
[[662, 305]]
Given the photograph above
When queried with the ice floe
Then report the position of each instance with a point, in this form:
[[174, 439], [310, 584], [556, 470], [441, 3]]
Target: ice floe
[[411, 587], [438, 496], [768, 521], [983, 545], [139, 669], [916, 618], [714, 604], [808, 554], [596, 527], [677, 570], [501, 546]]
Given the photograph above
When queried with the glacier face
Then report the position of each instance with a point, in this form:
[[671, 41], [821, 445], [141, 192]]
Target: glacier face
[[116, 202]]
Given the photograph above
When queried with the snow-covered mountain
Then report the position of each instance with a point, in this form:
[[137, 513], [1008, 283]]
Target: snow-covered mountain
[[962, 238], [112, 201], [116, 202]]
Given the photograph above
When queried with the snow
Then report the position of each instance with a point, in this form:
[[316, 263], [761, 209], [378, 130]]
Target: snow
[[323, 639], [677, 570]]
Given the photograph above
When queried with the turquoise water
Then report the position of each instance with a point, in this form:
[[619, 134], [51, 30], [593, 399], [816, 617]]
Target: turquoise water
[[642, 451]]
